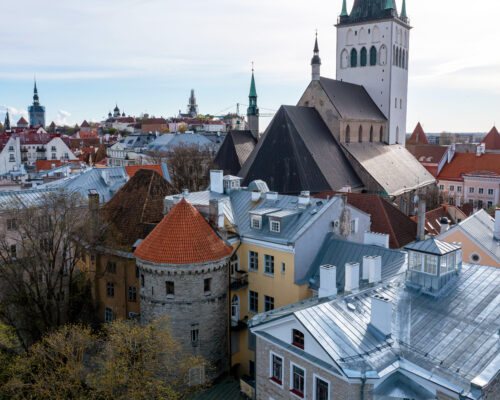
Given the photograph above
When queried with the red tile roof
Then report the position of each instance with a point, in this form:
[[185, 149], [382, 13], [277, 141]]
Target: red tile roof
[[132, 169], [183, 237], [418, 136], [85, 124], [385, 217], [45, 165], [467, 163], [492, 139], [88, 134], [428, 155], [432, 219], [22, 121]]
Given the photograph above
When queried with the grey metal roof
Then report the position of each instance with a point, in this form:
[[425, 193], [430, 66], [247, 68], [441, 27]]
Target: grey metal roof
[[339, 252], [393, 167], [399, 386], [453, 336], [169, 141], [351, 101], [433, 246], [298, 152], [28, 197], [135, 141], [259, 185]]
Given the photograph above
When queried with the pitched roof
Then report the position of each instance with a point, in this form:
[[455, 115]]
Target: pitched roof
[[45, 165], [138, 203], [351, 101], [183, 237], [22, 121], [160, 168], [492, 139], [432, 219], [385, 217], [364, 10], [85, 124], [433, 246], [392, 167], [427, 153], [418, 136], [298, 152], [467, 163], [234, 151]]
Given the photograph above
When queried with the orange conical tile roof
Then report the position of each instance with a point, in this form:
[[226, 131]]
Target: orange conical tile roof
[[418, 136], [182, 237]]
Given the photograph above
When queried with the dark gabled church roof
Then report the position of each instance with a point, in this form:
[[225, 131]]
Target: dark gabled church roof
[[298, 152], [351, 101], [234, 151]]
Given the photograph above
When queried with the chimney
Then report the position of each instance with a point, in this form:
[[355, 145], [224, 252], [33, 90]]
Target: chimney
[[367, 265], [443, 225], [304, 198], [377, 239], [421, 220], [94, 214], [216, 181], [346, 189], [327, 281], [271, 196], [185, 192], [375, 271], [381, 314], [216, 213], [255, 195], [351, 277], [479, 151], [497, 224]]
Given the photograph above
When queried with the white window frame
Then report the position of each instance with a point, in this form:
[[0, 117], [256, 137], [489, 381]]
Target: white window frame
[[480, 190], [491, 192], [250, 268], [471, 189], [271, 354], [271, 258], [354, 230], [459, 189], [275, 226], [268, 297], [258, 220], [250, 310], [316, 376], [292, 364]]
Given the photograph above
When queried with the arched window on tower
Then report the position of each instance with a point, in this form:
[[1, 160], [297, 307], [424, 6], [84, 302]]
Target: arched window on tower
[[394, 55], [397, 57], [400, 62], [381, 139], [373, 56], [371, 133], [348, 134], [354, 58], [363, 57], [360, 134], [344, 59]]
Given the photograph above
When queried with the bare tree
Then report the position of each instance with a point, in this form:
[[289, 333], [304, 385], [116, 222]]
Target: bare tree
[[40, 285]]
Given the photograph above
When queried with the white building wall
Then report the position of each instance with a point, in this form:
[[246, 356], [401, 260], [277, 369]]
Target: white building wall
[[10, 156], [385, 82]]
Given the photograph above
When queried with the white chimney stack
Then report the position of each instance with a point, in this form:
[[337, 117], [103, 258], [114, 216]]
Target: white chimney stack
[[479, 151], [217, 181], [351, 277], [367, 265], [375, 274], [377, 239], [304, 198], [497, 224], [381, 314], [327, 281], [271, 196], [255, 195]]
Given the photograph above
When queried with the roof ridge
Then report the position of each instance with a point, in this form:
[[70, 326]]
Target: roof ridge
[[380, 200]]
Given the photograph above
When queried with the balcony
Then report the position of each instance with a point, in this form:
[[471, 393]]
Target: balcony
[[41, 149], [239, 281], [24, 150]]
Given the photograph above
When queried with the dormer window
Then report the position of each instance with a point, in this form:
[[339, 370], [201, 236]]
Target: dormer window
[[298, 338], [256, 222], [275, 226]]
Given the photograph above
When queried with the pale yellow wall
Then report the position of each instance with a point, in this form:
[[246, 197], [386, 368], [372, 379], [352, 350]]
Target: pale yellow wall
[[469, 247]]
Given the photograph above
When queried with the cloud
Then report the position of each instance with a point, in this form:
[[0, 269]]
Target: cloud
[[62, 117], [14, 113]]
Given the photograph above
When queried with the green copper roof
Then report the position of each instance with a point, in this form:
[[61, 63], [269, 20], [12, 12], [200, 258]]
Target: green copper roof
[[344, 9], [253, 90], [369, 10], [389, 5], [403, 10]]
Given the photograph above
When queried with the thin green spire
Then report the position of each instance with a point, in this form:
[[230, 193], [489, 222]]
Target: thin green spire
[[344, 9], [403, 10], [253, 90]]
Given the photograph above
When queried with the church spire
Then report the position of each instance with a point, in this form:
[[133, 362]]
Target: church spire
[[253, 109], [344, 9], [36, 100], [6, 125], [316, 61], [403, 11]]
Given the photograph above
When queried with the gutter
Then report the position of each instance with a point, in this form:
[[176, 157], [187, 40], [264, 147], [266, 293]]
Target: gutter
[[362, 392]]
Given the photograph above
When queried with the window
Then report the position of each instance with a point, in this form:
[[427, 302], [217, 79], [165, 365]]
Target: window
[[54, 157], [66, 156], [354, 226], [354, 58], [11, 158], [256, 222], [195, 335], [142, 280], [11, 224], [137, 272], [471, 190], [364, 55], [373, 56], [253, 302], [298, 338], [275, 226], [253, 260], [401, 104], [111, 267], [479, 204], [459, 189], [371, 133], [441, 187], [132, 294], [268, 303], [490, 192], [283, 267], [348, 134], [13, 251], [360, 134], [416, 261], [452, 188], [298, 375], [320, 389], [490, 204], [430, 266], [207, 285], [110, 289], [169, 287], [108, 314], [481, 190], [276, 369], [269, 264], [53, 148]]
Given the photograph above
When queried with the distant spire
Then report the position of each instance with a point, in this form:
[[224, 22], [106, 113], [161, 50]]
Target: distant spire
[[253, 90], [344, 9], [253, 109], [403, 10], [316, 61], [7, 121], [36, 100]]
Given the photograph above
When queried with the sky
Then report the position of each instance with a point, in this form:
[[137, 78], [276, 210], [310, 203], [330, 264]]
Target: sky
[[146, 56]]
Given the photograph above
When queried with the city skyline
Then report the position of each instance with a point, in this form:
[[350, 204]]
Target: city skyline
[[106, 57]]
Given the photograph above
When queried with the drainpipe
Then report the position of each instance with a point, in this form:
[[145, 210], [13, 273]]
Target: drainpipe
[[362, 391]]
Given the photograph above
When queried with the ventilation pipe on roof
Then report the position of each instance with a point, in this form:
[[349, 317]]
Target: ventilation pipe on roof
[[375, 271], [327, 281], [217, 181], [351, 277], [381, 314], [497, 224], [444, 225], [377, 239], [367, 265], [255, 195], [304, 198], [421, 220]]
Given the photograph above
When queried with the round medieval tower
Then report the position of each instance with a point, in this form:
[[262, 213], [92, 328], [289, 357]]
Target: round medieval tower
[[183, 267]]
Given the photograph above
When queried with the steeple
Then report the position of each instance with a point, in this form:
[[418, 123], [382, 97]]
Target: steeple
[[403, 15], [36, 100], [368, 10], [316, 61], [6, 125], [192, 106], [253, 110], [344, 9]]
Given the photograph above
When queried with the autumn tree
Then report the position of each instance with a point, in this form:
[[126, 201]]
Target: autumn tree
[[40, 285]]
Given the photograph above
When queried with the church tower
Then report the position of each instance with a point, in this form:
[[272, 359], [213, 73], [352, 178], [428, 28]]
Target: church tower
[[316, 62], [192, 108], [6, 125], [373, 51], [36, 111], [253, 110]]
